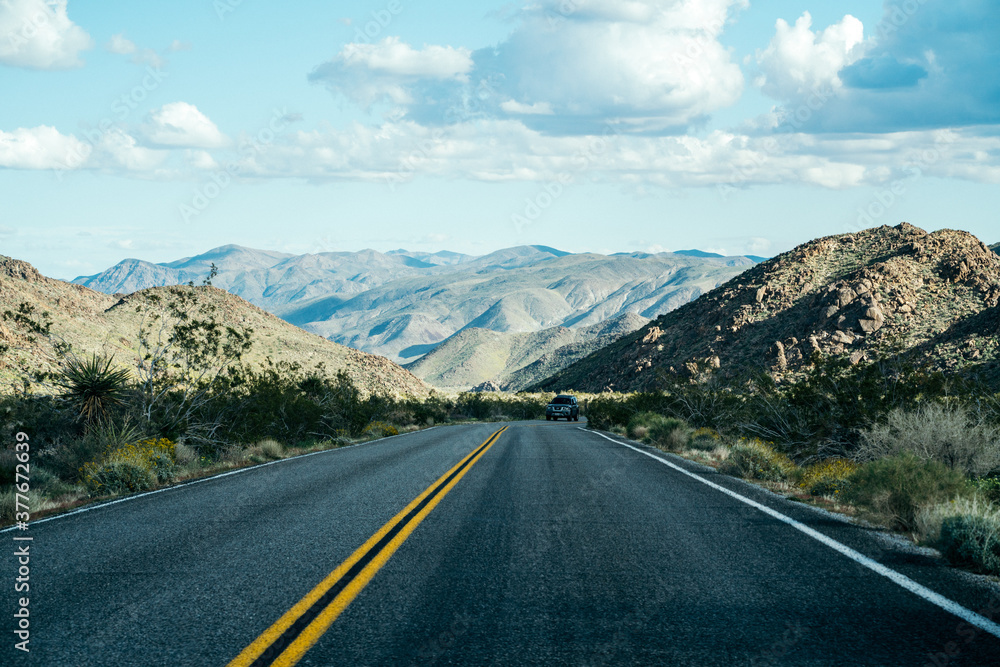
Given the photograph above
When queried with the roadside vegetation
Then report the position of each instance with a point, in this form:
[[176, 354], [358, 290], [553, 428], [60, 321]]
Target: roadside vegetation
[[189, 406], [901, 447]]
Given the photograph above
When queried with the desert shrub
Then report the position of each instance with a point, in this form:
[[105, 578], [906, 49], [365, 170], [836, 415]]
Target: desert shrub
[[988, 487], [893, 490], [607, 411], [184, 455], [429, 411], [827, 478], [945, 433], [495, 407], [271, 448], [132, 467], [67, 459], [972, 540], [8, 503], [49, 484], [380, 429], [158, 453], [667, 433], [705, 440], [753, 459], [43, 418], [265, 450], [117, 476]]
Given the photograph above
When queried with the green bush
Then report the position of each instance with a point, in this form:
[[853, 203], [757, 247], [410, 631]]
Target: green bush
[[67, 459], [972, 541], [753, 459], [117, 476], [989, 487], [668, 433], [892, 490], [705, 440]]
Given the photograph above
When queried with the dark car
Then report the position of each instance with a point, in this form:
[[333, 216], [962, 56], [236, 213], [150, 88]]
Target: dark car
[[563, 406]]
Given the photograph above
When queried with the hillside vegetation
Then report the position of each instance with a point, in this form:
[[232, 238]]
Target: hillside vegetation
[[92, 322], [858, 297]]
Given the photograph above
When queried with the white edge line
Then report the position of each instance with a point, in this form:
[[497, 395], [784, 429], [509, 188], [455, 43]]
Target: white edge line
[[901, 580], [182, 485]]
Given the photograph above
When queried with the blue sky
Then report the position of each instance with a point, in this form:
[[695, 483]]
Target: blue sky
[[161, 130]]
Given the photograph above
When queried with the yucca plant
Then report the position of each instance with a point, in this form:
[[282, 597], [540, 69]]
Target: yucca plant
[[93, 386]]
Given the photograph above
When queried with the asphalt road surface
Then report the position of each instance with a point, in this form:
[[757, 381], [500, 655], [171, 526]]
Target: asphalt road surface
[[541, 544]]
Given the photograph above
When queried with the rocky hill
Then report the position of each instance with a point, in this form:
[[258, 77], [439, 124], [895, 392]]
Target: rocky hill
[[485, 360], [95, 322], [856, 295], [401, 305]]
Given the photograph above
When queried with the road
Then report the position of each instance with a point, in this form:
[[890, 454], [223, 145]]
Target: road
[[550, 545]]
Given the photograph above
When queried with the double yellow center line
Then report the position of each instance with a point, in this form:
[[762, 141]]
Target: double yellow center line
[[284, 643]]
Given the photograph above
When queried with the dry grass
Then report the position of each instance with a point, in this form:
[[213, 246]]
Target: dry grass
[[927, 527]]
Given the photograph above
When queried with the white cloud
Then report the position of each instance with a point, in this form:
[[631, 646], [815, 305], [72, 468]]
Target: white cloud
[[120, 151], [568, 68], [757, 245], [41, 147], [646, 66], [390, 70], [393, 57], [182, 125], [121, 45], [926, 65], [799, 61], [538, 108], [201, 159], [506, 150], [38, 34]]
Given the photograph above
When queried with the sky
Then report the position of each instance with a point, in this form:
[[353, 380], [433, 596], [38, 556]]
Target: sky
[[162, 130]]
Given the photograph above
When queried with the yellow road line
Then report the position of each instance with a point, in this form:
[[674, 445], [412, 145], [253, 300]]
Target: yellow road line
[[305, 640]]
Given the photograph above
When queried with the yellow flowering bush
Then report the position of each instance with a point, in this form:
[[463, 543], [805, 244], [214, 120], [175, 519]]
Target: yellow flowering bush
[[131, 467], [380, 429], [827, 478], [754, 459]]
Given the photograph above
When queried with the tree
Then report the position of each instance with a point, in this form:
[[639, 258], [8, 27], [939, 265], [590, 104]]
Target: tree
[[184, 355]]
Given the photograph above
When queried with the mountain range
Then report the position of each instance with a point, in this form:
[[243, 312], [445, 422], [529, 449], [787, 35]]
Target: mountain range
[[402, 305], [932, 296]]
